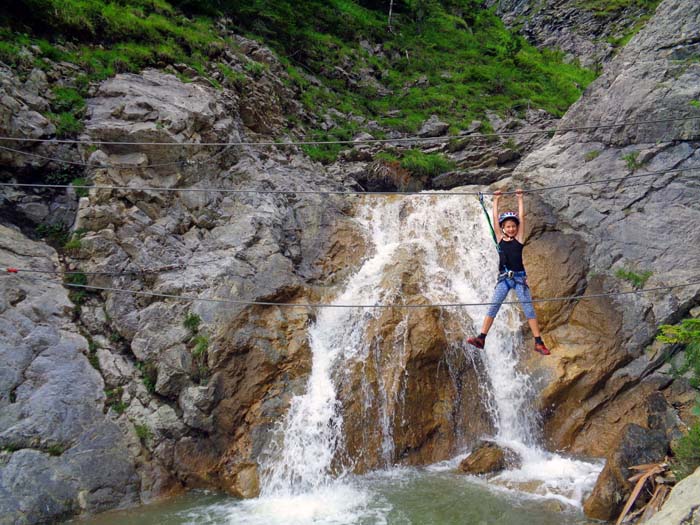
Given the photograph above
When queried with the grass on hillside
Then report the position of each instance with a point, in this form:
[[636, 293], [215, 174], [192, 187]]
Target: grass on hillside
[[451, 58]]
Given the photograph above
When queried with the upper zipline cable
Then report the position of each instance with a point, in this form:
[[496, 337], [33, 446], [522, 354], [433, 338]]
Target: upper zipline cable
[[345, 192], [346, 305], [356, 141]]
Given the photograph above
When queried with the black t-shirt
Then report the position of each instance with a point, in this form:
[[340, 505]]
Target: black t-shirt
[[511, 256]]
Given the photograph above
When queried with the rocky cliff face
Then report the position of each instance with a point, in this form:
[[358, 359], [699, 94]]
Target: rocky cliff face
[[604, 361], [54, 428], [591, 32]]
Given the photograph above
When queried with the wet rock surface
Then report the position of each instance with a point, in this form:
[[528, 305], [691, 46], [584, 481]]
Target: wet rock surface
[[488, 457]]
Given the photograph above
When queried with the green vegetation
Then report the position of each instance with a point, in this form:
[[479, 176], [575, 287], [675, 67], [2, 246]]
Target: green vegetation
[[92, 358], [638, 280], [452, 59], [54, 234], [199, 354], [56, 449], [192, 322], [81, 191], [58, 177], [591, 155], [199, 347], [417, 162], [149, 374], [78, 296], [67, 108], [687, 450], [613, 8], [631, 160], [73, 244], [133, 33], [428, 164], [92, 347], [114, 401], [143, 432], [606, 8]]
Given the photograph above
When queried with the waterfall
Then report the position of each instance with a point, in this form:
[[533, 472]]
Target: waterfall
[[459, 263]]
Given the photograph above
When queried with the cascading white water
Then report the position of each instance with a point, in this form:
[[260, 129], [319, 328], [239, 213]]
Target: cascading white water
[[459, 264]]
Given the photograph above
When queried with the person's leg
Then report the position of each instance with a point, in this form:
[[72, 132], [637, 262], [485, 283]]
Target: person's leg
[[499, 295], [523, 293], [534, 326], [486, 326]]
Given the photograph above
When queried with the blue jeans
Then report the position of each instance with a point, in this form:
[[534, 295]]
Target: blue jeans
[[522, 290]]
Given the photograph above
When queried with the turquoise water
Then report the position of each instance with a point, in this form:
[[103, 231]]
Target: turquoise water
[[396, 497]]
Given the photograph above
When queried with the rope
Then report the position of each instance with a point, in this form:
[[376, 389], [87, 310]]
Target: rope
[[339, 192], [361, 141], [488, 220], [329, 305]]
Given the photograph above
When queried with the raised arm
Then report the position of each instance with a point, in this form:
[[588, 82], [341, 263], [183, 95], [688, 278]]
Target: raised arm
[[521, 215], [497, 229]]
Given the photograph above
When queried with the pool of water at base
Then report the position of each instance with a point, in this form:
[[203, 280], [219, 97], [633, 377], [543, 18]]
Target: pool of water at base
[[399, 496]]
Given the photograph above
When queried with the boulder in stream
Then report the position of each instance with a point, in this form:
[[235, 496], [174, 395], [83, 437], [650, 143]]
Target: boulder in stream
[[489, 457]]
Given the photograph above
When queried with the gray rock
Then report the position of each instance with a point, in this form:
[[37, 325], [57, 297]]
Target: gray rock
[[63, 455], [174, 369], [639, 224], [195, 402], [34, 211], [582, 32], [433, 127], [115, 369]]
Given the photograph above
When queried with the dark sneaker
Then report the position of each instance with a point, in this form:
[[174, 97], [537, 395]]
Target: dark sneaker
[[541, 349], [477, 342]]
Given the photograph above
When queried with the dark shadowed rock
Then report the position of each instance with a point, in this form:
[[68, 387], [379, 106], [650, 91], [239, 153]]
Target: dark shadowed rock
[[637, 446]]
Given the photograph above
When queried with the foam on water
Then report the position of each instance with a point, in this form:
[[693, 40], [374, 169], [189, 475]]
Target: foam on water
[[333, 504]]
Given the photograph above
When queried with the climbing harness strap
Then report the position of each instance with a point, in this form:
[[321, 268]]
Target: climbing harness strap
[[512, 279], [488, 219]]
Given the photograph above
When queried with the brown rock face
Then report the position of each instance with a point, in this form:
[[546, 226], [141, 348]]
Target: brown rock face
[[586, 353], [556, 267], [245, 482], [488, 457], [403, 403], [261, 359]]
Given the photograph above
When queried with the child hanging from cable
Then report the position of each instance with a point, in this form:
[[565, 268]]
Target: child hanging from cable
[[511, 272]]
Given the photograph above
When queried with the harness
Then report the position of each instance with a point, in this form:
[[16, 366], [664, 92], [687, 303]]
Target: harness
[[513, 279]]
